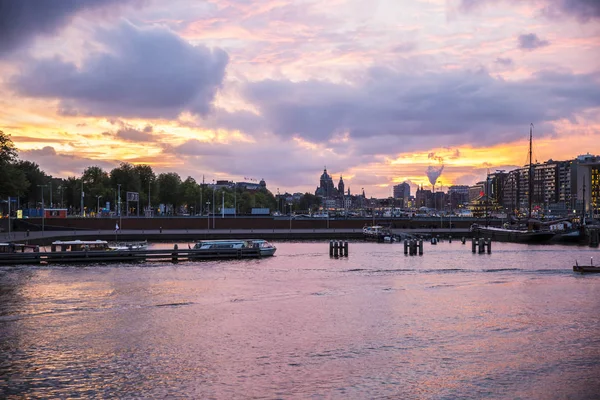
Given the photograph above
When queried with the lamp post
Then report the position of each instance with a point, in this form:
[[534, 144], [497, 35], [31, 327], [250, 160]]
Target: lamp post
[[278, 200], [119, 207], [61, 196], [234, 200], [213, 204], [43, 211], [291, 205], [98, 197], [208, 216]]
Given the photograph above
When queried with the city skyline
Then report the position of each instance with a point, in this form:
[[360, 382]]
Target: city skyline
[[378, 93]]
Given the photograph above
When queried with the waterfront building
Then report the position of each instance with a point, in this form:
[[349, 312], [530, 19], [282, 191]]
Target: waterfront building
[[458, 196], [401, 192]]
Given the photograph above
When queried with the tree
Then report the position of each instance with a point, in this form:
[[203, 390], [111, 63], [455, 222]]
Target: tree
[[147, 183], [13, 181], [127, 177], [36, 178], [169, 189], [190, 193], [8, 151]]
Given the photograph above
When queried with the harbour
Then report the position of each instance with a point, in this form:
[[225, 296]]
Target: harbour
[[516, 323]]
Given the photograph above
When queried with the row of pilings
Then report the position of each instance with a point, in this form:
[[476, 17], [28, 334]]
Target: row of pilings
[[338, 248], [412, 246], [480, 245]]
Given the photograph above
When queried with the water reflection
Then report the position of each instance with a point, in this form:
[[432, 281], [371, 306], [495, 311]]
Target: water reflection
[[449, 324]]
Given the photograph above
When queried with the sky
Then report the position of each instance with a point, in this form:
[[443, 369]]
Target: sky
[[379, 92]]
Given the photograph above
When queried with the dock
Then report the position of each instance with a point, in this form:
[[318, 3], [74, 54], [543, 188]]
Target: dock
[[174, 255]]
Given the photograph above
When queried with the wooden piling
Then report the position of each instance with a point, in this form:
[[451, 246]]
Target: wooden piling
[[175, 258], [489, 246], [346, 248], [481, 245], [405, 246], [331, 248], [474, 245], [336, 249], [420, 247]]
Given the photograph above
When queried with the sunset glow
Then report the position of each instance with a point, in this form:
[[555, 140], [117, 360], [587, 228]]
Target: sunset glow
[[377, 92]]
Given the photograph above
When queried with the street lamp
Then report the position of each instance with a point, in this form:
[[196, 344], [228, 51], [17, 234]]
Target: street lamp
[[208, 216], [43, 211], [98, 204], [213, 204]]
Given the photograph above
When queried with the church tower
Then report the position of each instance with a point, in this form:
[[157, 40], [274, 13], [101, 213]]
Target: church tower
[[341, 185]]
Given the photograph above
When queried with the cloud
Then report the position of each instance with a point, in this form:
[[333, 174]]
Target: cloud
[[22, 20], [583, 10], [421, 110], [147, 73], [62, 165], [131, 134], [504, 61], [531, 41]]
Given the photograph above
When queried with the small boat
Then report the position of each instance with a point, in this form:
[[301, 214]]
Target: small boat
[[129, 246], [379, 233], [586, 268], [266, 248]]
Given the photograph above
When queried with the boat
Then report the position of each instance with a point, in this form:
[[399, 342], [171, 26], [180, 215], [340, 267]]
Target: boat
[[266, 248], [379, 233], [129, 246], [586, 268], [79, 245], [533, 233]]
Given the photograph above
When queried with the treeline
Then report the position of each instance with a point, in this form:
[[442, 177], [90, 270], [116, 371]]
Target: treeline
[[27, 182]]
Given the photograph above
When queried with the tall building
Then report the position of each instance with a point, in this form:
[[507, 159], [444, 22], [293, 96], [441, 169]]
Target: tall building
[[458, 195], [402, 192]]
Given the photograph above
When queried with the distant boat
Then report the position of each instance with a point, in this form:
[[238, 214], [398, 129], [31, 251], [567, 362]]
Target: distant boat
[[266, 248], [129, 246], [586, 268], [378, 233]]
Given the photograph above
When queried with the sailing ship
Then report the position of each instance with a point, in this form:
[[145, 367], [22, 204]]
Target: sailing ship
[[532, 233]]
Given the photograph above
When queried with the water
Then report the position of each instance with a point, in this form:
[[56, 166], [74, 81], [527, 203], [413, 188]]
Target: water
[[450, 324]]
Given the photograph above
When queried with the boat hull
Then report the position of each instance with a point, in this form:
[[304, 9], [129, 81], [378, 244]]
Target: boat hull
[[586, 269], [515, 236]]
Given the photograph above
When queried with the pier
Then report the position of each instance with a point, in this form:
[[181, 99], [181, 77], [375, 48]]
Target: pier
[[174, 255]]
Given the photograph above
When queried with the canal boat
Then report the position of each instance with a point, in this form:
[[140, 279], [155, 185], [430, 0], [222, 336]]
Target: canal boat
[[79, 245], [266, 248]]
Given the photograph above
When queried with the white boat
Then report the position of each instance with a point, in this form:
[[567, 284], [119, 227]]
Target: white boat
[[129, 246], [266, 248]]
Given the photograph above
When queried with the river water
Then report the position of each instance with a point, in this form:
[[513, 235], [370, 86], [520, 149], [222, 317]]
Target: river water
[[517, 323]]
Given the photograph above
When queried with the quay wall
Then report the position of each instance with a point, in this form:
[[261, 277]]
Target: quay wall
[[134, 223]]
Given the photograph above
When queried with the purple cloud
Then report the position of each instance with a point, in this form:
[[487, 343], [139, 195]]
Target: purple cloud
[[22, 20], [531, 41], [584, 10], [149, 73], [424, 110]]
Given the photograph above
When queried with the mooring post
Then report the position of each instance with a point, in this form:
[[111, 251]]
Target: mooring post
[[421, 247], [481, 245], [346, 248], [336, 249], [463, 240], [175, 251], [405, 246], [473, 245], [489, 246], [331, 248], [450, 239]]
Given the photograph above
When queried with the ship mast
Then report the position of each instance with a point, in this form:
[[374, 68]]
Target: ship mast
[[530, 198]]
